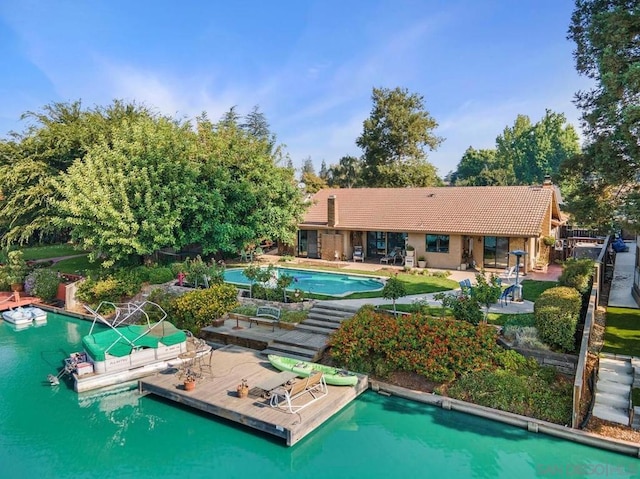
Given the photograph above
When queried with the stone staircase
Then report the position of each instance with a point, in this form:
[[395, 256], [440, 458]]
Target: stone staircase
[[309, 340], [325, 317], [613, 390]]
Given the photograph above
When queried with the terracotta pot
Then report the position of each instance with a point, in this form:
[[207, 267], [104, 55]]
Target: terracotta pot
[[243, 391], [189, 385], [17, 287]]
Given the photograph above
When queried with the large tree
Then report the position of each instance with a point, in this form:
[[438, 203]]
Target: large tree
[[607, 38], [346, 174], [127, 196], [394, 140], [241, 172], [54, 138], [525, 153]]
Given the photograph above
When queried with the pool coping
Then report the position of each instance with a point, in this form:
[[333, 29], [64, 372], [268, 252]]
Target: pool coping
[[517, 420]]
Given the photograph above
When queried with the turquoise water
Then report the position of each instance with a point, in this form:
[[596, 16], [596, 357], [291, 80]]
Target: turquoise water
[[48, 432], [318, 282]]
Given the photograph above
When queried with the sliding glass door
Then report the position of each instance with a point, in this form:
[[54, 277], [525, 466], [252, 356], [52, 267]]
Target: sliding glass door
[[496, 252]]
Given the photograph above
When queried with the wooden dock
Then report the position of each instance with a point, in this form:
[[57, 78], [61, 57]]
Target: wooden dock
[[15, 300], [215, 393]]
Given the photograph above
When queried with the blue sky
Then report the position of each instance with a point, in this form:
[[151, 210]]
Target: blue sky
[[309, 65]]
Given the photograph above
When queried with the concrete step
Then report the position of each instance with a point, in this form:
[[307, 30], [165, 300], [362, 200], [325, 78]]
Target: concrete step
[[617, 365], [300, 350], [314, 329], [612, 414], [334, 306], [331, 312], [613, 400], [280, 353], [321, 324], [614, 377], [636, 418], [322, 316], [612, 387]]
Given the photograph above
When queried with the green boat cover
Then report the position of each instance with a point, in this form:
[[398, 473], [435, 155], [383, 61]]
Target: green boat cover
[[114, 342]]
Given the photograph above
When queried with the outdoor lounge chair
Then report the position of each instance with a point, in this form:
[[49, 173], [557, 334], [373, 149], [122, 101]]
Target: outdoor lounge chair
[[358, 254], [394, 256], [303, 393], [508, 274]]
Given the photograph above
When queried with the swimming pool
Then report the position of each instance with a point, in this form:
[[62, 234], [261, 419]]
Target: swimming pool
[[52, 432], [317, 282]]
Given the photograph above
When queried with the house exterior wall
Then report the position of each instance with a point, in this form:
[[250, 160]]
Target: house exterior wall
[[450, 260]]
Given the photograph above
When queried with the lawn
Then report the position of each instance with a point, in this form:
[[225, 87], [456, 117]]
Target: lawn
[[414, 284], [79, 265], [622, 333], [531, 289], [49, 251]]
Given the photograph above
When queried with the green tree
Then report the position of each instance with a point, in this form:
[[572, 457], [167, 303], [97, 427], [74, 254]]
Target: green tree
[[324, 171], [393, 290], [476, 168], [487, 292], [606, 34], [243, 196], [307, 167], [128, 196], [346, 173], [394, 139], [29, 161], [313, 183]]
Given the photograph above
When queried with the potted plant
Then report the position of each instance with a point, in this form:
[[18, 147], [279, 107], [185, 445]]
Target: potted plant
[[410, 250], [189, 381], [243, 389], [549, 240], [422, 262], [15, 270]]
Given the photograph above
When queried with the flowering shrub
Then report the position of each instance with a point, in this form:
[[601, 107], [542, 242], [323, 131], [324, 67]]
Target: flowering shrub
[[435, 348], [198, 308], [42, 283]]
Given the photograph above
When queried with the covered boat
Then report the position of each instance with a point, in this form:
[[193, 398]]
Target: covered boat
[[138, 341], [38, 315], [333, 376]]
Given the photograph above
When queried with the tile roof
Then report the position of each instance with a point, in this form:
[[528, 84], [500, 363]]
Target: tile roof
[[479, 210]]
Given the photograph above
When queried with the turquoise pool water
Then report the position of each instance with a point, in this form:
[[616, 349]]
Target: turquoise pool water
[[49, 432], [318, 282]]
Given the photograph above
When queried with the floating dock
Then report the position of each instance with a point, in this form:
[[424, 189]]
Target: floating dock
[[216, 394]]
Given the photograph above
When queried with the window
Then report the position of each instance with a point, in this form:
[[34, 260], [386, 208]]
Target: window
[[437, 243], [376, 243]]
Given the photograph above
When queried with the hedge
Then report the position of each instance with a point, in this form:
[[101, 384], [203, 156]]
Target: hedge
[[556, 314]]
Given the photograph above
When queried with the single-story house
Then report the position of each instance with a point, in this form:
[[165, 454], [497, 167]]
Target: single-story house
[[451, 227]]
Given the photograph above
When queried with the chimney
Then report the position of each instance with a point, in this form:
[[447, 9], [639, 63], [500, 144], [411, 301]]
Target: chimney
[[332, 211], [547, 183]]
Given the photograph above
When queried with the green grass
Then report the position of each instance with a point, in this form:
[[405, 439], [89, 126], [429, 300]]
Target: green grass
[[531, 289], [622, 333], [635, 396], [49, 251], [79, 265], [414, 284]]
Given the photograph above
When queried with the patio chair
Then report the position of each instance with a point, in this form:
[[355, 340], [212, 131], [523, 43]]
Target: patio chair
[[508, 274], [394, 256], [507, 295], [358, 254]]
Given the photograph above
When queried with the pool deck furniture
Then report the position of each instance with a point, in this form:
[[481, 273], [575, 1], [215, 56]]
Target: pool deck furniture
[[266, 314], [358, 254], [216, 395], [301, 394]]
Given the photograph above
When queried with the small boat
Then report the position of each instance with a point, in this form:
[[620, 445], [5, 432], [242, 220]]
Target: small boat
[[18, 316], [333, 376], [38, 315], [25, 316], [126, 352]]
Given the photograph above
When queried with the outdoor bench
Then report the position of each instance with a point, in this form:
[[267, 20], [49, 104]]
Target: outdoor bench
[[266, 315]]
